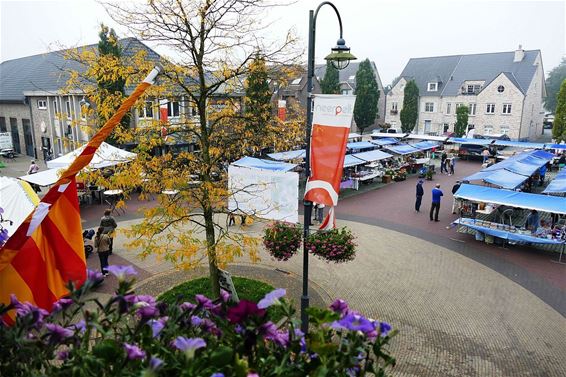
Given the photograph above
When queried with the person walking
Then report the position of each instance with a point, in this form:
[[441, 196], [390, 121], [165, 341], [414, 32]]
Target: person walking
[[455, 202], [452, 165], [485, 154], [108, 224], [533, 221], [443, 159], [542, 173], [435, 207], [102, 246], [34, 168], [420, 193], [320, 212]]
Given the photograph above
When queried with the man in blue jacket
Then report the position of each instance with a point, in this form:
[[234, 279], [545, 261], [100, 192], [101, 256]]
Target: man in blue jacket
[[436, 194]]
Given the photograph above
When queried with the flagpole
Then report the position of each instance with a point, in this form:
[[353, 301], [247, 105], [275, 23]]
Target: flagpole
[[338, 56]]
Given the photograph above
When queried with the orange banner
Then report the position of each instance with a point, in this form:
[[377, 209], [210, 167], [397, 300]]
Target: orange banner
[[332, 117]]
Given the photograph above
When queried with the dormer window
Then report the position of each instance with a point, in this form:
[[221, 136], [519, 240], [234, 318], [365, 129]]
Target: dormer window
[[296, 81], [432, 86]]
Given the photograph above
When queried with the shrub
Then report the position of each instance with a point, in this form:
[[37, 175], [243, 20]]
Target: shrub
[[133, 335], [336, 245], [282, 239]]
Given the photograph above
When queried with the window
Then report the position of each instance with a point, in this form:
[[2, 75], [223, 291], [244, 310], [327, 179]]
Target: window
[[490, 109], [458, 105], [429, 107], [147, 110], [55, 107], [3, 124], [432, 86], [500, 88], [296, 81], [173, 109], [394, 106], [506, 108], [41, 104], [470, 89], [487, 130], [472, 109], [68, 108], [505, 130], [448, 108]]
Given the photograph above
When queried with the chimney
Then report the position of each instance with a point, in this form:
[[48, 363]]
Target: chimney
[[519, 54]]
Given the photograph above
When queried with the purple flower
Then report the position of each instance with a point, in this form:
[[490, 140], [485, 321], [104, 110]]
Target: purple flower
[[3, 236], [155, 363], [157, 325], [189, 345], [225, 296], [354, 322], [204, 301], [121, 272], [384, 328], [196, 321], [187, 306], [58, 333], [63, 355], [61, 304], [80, 326], [133, 352], [94, 276], [253, 374], [217, 375], [243, 310], [25, 308], [271, 298], [339, 306]]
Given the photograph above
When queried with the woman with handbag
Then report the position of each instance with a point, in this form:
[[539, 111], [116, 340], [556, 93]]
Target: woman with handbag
[[102, 246]]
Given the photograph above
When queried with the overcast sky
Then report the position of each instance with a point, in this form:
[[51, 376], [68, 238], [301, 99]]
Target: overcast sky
[[385, 31]]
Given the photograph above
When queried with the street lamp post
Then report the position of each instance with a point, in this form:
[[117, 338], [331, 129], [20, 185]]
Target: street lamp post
[[340, 58]]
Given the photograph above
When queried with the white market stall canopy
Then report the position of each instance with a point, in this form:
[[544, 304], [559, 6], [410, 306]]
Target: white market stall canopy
[[256, 163], [427, 137], [287, 156], [372, 156], [387, 134], [353, 135], [18, 200], [43, 177], [106, 155], [545, 203]]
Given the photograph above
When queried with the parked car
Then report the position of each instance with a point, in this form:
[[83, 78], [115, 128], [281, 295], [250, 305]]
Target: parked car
[[472, 151]]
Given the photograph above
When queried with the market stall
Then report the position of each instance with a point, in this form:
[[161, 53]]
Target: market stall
[[360, 146], [288, 156], [384, 141], [557, 185], [351, 164], [371, 169], [106, 155]]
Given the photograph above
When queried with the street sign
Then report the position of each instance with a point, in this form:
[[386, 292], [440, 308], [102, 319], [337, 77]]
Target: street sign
[[6, 140], [225, 281]]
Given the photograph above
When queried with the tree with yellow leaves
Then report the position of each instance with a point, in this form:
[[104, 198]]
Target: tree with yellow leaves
[[215, 44]]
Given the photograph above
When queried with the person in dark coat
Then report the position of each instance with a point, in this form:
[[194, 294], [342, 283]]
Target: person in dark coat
[[420, 193], [435, 207], [443, 161], [455, 202]]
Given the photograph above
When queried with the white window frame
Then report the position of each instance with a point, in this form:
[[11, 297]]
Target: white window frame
[[472, 107], [470, 89], [500, 87], [42, 104], [490, 108], [394, 106], [143, 112], [170, 108], [504, 130], [506, 109], [448, 108], [487, 130], [432, 87], [427, 110]]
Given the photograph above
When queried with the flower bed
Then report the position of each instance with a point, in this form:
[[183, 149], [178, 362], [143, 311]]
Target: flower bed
[[282, 239], [336, 245], [133, 335]]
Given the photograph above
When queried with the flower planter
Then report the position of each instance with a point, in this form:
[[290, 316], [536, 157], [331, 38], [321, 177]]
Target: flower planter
[[282, 240], [336, 245], [386, 179]]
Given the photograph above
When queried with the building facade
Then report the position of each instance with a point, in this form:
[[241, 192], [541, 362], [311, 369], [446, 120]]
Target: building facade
[[347, 78], [503, 92]]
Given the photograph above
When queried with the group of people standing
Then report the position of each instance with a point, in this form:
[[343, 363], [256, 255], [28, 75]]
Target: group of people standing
[[447, 164], [437, 195], [104, 239]]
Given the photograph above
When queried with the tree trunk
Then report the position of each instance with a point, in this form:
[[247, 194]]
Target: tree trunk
[[211, 252]]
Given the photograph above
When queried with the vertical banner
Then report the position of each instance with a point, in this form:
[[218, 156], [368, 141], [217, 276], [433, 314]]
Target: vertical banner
[[163, 110], [332, 117], [282, 110]]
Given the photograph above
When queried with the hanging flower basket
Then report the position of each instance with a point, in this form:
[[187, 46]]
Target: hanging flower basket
[[336, 245], [282, 239]]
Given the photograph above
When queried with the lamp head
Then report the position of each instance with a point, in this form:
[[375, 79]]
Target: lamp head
[[340, 56], [84, 102]]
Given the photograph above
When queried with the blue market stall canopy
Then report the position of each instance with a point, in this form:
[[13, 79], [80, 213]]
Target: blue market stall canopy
[[506, 179], [519, 144], [402, 149], [557, 185], [384, 141], [424, 145], [350, 161], [545, 203], [462, 140], [256, 163], [371, 156], [555, 146], [516, 237], [361, 145], [289, 155]]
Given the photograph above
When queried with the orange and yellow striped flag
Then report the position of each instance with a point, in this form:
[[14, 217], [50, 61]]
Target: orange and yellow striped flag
[[47, 251]]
